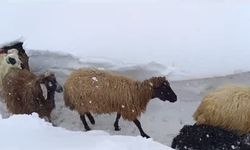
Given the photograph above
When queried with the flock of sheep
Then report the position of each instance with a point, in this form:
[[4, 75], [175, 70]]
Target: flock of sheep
[[222, 119]]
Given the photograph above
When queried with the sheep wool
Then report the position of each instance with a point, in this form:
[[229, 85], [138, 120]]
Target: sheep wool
[[227, 107], [204, 137], [89, 90]]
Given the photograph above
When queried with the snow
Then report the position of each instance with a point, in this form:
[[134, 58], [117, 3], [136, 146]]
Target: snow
[[95, 79], [187, 39], [28, 132]]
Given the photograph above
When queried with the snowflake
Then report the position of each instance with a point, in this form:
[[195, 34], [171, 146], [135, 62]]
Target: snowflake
[[94, 78]]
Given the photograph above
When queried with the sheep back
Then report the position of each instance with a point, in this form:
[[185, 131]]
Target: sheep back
[[226, 107], [102, 92], [23, 93]]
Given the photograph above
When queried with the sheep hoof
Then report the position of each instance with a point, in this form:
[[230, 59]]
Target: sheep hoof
[[87, 129], [145, 136], [117, 128]]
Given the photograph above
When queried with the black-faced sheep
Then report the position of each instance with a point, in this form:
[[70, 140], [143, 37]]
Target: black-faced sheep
[[204, 137], [21, 53], [228, 108], [88, 90], [23, 93]]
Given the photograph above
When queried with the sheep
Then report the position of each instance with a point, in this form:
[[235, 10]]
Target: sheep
[[8, 61], [23, 93], [17, 45], [226, 107], [102, 92], [205, 137]]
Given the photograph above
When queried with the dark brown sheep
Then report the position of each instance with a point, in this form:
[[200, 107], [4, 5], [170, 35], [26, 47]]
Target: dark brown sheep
[[21, 53], [102, 92], [23, 93]]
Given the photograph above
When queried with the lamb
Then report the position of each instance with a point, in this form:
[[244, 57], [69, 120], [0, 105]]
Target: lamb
[[226, 107], [205, 137], [17, 45], [23, 93], [100, 92]]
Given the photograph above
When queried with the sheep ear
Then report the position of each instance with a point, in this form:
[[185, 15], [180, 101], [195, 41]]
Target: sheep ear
[[45, 91]]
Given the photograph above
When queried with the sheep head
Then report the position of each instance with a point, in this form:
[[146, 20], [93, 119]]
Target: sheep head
[[18, 46], [49, 79], [10, 60], [162, 90]]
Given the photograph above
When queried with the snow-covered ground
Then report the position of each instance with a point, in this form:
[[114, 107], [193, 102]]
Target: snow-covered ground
[[28, 132]]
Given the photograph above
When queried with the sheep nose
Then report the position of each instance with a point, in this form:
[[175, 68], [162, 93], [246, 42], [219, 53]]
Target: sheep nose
[[12, 60]]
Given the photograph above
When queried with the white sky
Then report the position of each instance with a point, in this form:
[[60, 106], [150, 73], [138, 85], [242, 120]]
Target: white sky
[[200, 38]]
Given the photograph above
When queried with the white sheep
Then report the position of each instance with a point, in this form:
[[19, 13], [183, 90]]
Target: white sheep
[[7, 61], [227, 107]]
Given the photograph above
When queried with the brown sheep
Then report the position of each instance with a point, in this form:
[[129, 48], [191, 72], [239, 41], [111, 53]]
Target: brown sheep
[[23, 94], [227, 107], [17, 45], [101, 92]]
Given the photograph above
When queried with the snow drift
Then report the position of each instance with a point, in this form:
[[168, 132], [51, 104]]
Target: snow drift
[[29, 132]]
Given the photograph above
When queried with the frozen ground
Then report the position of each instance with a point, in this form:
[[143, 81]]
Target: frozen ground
[[161, 121]]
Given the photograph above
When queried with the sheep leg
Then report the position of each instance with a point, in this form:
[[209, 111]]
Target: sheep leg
[[116, 124], [91, 118], [86, 126], [138, 124]]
